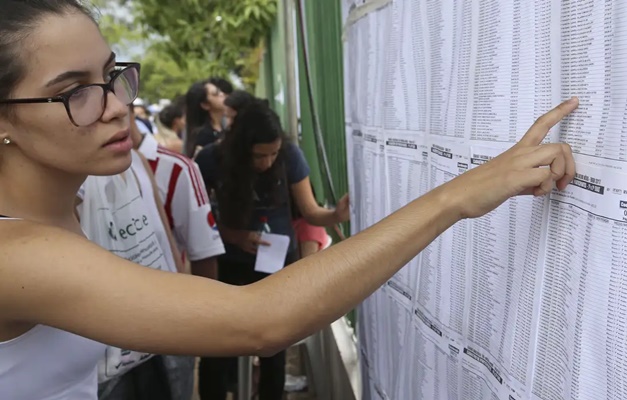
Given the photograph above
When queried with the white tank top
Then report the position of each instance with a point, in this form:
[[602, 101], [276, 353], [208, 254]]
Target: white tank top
[[49, 364]]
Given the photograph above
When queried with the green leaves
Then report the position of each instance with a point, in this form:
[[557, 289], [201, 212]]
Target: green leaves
[[209, 28], [189, 40]]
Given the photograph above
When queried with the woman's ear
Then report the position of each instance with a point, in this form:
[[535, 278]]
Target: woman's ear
[[5, 130], [205, 106]]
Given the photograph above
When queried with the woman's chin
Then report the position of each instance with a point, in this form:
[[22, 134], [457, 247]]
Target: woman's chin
[[112, 166]]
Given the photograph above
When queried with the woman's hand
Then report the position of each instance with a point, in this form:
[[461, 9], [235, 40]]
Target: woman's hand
[[342, 210], [250, 241], [529, 167]]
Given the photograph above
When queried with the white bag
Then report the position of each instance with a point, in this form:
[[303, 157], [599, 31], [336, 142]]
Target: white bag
[[113, 216]]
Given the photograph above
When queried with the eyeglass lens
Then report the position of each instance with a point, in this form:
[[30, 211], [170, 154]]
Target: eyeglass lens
[[87, 105]]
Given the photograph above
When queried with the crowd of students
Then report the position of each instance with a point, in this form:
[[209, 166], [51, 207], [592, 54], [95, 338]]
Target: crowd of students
[[89, 190], [242, 164]]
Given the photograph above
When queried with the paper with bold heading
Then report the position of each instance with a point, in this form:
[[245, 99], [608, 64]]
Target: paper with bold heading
[[271, 259]]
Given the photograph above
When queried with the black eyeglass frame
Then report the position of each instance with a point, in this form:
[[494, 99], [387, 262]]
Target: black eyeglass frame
[[65, 97]]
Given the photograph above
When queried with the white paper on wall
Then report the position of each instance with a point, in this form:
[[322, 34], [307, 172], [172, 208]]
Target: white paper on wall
[[530, 301]]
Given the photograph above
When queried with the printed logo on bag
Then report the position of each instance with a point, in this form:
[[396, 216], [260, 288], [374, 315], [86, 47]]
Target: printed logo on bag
[[130, 360], [112, 234], [136, 225], [113, 216]]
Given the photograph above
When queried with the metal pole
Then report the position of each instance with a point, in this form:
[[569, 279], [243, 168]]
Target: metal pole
[[291, 89], [244, 375], [319, 364]]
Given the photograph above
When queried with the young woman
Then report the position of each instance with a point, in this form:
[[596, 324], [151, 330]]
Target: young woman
[[253, 172], [205, 116], [64, 116]]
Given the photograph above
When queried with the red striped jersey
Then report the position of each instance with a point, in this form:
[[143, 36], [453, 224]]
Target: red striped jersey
[[185, 200]]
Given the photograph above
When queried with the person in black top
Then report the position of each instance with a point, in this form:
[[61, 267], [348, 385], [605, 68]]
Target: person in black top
[[205, 115], [253, 171]]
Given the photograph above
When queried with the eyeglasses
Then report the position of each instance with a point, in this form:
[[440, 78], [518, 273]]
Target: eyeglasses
[[86, 104]]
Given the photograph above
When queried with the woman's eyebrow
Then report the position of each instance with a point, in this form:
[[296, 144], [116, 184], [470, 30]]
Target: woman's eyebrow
[[76, 74]]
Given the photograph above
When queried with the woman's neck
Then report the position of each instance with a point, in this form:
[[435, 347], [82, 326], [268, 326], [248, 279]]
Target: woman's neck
[[215, 118], [39, 194]]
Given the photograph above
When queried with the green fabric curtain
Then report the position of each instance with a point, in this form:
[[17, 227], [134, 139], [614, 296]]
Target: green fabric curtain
[[323, 29]]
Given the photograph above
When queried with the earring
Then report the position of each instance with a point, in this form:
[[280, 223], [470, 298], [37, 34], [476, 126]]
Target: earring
[[6, 141]]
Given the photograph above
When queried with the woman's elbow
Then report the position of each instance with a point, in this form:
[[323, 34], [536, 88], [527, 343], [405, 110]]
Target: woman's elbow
[[266, 333], [261, 345], [269, 352], [270, 342]]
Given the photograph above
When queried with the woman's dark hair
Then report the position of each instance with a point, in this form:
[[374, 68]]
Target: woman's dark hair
[[238, 100], [255, 124], [170, 113], [18, 19], [225, 86], [196, 115]]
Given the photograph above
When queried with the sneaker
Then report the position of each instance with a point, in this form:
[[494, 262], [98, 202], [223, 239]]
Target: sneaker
[[295, 383]]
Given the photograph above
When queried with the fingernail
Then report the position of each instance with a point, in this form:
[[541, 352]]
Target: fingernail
[[572, 100]]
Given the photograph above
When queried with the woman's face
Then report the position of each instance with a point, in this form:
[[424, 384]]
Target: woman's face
[[62, 53], [265, 154], [215, 98]]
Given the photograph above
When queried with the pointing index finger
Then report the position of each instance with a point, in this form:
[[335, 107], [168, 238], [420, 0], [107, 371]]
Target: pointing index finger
[[541, 127]]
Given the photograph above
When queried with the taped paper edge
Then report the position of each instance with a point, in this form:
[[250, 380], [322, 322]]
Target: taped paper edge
[[361, 11]]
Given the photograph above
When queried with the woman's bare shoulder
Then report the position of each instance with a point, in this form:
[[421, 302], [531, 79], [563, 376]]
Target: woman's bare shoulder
[[32, 254], [17, 235]]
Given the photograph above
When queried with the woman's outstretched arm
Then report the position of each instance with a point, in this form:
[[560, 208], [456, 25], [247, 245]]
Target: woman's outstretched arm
[[49, 276]]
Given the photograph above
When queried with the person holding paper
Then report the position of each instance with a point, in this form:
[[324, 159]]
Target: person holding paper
[[253, 172], [63, 116]]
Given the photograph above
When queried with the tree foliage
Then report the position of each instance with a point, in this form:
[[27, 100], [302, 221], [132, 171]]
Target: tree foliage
[[183, 41], [163, 78], [224, 34]]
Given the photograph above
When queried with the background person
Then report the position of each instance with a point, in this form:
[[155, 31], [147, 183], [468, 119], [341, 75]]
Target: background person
[[170, 126], [205, 116], [236, 102]]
